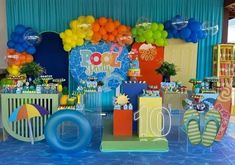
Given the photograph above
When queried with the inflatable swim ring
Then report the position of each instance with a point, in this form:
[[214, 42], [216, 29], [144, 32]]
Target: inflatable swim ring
[[54, 139]]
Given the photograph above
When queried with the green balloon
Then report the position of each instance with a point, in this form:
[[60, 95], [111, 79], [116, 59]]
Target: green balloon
[[141, 39], [150, 41], [160, 27], [164, 34], [137, 39], [159, 42], [165, 42], [156, 35], [140, 31], [134, 31], [148, 34], [154, 26]]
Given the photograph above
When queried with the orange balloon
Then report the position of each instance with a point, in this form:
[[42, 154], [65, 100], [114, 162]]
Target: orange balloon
[[95, 27], [96, 37], [110, 27], [29, 58], [102, 21], [11, 51], [22, 57], [17, 62], [115, 32], [17, 55], [105, 37], [10, 61], [102, 31], [122, 28], [116, 23], [111, 37], [110, 20]]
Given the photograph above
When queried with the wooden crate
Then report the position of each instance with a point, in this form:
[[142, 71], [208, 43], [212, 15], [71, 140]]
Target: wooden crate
[[19, 129]]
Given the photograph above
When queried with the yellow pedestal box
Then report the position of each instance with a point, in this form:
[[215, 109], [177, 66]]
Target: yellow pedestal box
[[150, 116]]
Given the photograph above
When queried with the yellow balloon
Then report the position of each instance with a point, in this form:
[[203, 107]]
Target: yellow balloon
[[74, 37], [73, 24], [80, 42], [90, 19], [81, 35], [68, 40], [88, 38], [62, 35], [81, 19], [73, 44], [15, 67], [90, 33], [68, 32], [9, 69], [59, 88], [67, 47], [15, 72]]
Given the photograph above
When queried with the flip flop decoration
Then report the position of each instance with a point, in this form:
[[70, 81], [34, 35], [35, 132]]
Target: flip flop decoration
[[212, 120], [191, 123]]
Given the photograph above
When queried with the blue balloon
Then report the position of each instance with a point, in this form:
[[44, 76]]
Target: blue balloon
[[32, 37], [21, 40], [195, 26], [170, 35], [168, 24], [13, 34], [185, 33], [188, 39], [20, 29], [174, 31], [31, 50], [178, 22], [16, 38], [179, 17], [194, 37], [25, 45], [190, 31], [19, 48], [176, 35], [10, 44], [191, 20]]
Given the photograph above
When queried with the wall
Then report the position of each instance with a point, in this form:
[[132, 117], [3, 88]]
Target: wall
[[3, 34]]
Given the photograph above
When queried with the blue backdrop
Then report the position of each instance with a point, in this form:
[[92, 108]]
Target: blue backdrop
[[54, 15]]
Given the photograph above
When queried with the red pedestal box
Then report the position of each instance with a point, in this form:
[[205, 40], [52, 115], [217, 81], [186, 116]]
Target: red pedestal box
[[122, 122]]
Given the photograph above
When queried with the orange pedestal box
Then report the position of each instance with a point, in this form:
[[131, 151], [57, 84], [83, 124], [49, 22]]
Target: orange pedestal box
[[122, 122]]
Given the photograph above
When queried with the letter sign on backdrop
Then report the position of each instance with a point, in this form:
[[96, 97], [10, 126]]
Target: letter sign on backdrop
[[101, 61]]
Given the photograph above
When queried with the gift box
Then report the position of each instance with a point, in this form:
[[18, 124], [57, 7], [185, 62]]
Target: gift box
[[122, 122]]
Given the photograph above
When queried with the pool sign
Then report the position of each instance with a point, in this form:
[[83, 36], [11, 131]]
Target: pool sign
[[99, 62], [103, 61]]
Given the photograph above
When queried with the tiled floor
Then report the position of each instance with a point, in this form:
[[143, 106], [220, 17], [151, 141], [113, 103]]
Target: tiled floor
[[13, 152]]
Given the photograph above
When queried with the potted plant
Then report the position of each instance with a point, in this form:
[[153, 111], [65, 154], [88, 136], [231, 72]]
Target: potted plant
[[32, 70], [166, 70]]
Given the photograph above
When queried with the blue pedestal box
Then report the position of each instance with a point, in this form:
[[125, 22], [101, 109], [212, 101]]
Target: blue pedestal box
[[133, 90]]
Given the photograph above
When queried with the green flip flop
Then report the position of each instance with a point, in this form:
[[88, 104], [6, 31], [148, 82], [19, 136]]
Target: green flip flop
[[212, 124], [191, 123]]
